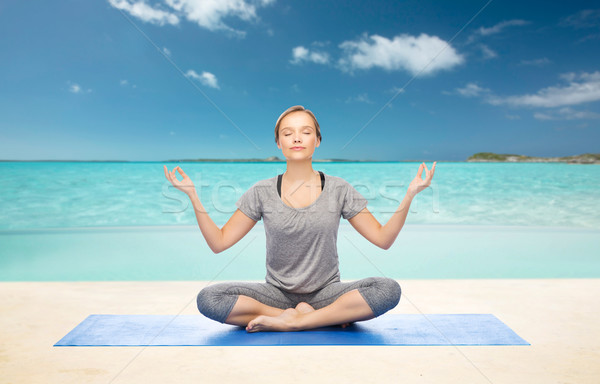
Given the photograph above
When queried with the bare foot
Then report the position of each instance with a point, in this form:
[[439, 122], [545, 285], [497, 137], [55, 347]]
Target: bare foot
[[287, 321], [304, 308], [307, 308]]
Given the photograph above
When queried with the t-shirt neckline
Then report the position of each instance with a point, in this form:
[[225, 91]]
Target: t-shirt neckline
[[301, 208]]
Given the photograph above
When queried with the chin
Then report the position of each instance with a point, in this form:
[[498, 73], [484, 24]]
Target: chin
[[298, 156]]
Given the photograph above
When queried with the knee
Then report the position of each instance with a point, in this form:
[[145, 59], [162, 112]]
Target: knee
[[388, 294], [210, 302], [204, 299], [390, 288], [394, 290]]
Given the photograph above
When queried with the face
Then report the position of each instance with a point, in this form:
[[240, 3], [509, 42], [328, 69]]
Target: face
[[297, 136]]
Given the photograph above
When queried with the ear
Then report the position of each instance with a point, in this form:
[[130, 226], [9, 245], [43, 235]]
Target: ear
[[318, 142], [279, 143]]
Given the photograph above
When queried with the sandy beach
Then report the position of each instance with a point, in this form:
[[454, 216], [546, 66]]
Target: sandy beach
[[559, 317]]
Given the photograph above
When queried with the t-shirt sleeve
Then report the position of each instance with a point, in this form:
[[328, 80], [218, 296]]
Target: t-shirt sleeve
[[354, 202], [250, 204]]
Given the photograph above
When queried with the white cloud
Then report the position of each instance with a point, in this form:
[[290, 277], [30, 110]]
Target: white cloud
[[587, 18], [205, 78], [472, 90], [536, 62], [566, 113], [125, 83], [416, 54], [207, 14], [556, 100], [210, 14], [362, 98], [77, 89], [593, 36], [395, 90], [496, 29], [488, 53], [145, 12], [568, 77], [301, 54], [500, 26], [582, 88], [166, 51]]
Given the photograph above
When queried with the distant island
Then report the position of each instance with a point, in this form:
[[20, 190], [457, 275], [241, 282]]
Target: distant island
[[489, 157]]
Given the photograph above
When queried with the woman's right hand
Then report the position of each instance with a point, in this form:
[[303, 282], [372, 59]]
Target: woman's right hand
[[186, 186], [418, 184]]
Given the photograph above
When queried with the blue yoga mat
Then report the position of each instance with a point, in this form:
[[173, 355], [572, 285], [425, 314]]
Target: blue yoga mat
[[190, 330]]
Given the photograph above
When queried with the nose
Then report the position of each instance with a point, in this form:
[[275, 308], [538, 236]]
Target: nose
[[297, 139]]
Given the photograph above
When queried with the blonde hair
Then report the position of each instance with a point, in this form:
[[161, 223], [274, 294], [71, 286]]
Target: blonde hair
[[297, 108]]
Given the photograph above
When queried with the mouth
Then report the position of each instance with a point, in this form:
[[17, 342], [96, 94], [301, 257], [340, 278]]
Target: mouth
[[297, 148]]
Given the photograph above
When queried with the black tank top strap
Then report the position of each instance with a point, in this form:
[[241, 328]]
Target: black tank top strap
[[279, 184]]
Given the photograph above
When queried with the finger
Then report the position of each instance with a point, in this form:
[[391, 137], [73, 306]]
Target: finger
[[433, 166], [181, 172], [168, 174], [429, 176], [420, 171]]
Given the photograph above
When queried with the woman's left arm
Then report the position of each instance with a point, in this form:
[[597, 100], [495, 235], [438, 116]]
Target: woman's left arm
[[384, 235]]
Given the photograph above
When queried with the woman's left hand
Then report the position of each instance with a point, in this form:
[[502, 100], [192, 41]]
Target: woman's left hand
[[418, 184]]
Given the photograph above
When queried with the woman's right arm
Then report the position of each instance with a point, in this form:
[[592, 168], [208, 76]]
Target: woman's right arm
[[218, 239]]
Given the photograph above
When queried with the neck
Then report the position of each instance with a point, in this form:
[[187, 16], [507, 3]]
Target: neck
[[300, 170]]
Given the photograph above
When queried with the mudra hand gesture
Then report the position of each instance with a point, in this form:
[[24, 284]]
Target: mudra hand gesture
[[418, 184], [186, 186]]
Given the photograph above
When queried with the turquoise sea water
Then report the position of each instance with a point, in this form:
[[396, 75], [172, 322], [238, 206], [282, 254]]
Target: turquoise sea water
[[117, 221], [58, 195]]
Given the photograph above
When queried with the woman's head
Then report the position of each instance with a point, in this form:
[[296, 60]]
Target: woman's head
[[297, 109], [297, 133]]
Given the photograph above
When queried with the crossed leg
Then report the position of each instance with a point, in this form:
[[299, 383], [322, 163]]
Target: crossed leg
[[264, 307], [257, 317], [246, 309]]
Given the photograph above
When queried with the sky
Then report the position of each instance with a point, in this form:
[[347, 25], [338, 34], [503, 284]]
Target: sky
[[387, 80]]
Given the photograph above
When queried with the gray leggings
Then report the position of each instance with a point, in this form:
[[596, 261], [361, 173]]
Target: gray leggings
[[216, 301]]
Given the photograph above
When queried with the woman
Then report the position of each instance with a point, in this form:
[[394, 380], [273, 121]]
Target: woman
[[301, 210]]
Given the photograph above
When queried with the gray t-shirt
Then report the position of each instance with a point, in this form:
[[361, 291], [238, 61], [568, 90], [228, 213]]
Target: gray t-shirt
[[302, 242]]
